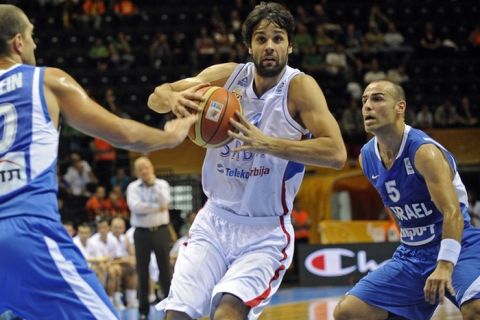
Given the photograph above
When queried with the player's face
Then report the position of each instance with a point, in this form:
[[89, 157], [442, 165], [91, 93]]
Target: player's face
[[379, 106], [29, 46], [269, 49]]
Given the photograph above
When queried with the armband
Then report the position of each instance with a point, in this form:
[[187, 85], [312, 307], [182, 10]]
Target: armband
[[449, 250]]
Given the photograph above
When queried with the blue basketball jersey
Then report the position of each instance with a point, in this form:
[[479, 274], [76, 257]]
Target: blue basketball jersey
[[28, 145], [404, 191]]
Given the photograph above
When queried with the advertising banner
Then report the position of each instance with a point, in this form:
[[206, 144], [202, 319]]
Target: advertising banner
[[341, 264]]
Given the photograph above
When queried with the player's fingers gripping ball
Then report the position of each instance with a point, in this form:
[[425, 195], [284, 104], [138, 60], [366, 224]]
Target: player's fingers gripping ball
[[218, 105]]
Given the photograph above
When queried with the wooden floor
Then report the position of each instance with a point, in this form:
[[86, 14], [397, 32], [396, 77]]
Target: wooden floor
[[308, 304]]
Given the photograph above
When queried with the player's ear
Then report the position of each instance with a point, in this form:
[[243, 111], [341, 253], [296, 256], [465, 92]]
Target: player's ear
[[290, 49], [17, 43], [250, 50]]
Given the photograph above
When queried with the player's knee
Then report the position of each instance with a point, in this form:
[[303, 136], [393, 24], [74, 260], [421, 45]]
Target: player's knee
[[471, 310], [231, 308]]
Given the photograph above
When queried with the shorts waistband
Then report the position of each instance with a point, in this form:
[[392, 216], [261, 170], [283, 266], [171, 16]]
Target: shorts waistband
[[151, 228], [246, 220]]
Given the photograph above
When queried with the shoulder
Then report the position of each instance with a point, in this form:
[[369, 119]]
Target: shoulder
[[304, 87], [217, 74], [162, 182]]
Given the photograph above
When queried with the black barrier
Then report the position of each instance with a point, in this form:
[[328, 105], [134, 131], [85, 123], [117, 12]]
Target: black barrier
[[342, 264]]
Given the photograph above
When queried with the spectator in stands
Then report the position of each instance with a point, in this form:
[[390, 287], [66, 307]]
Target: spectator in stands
[[429, 41], [93, 10], [103, 246], [180, 48], [474, 37], [125, 8], [424, 117], [393, 38], [375, 38], [121, 179], [125, 257], [224, 41], [336, 62], [99, 54], [235, 23], [353, 38], [204, 48], [313, 61], [148, 199], [303, 39], [116, 204], [97, 205], [104, 157], [375, 73], [446, 115], [398, 74], [322, 39], [352, 128], [79, 176], [159, 51], [68, 225], [120, 52], [465, 113], [378, 19]]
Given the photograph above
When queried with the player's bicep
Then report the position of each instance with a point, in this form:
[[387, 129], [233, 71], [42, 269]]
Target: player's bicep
[[78, 109], [216, 75], [437, 173]]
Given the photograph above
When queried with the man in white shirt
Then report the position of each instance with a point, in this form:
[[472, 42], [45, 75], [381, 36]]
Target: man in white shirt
[[148, 199]]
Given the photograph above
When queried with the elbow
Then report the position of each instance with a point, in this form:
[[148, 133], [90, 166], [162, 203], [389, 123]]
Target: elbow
[[339, 159]]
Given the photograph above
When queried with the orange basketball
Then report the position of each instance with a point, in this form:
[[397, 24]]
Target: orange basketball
[[217, 107]]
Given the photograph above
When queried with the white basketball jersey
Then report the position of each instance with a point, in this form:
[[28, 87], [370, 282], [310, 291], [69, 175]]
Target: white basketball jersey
[[248, 184]]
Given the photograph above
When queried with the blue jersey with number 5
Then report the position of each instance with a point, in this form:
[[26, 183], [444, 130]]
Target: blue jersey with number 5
[[28, 145], [404, 191]]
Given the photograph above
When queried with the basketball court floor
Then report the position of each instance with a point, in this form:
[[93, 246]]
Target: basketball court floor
[[308, 304]]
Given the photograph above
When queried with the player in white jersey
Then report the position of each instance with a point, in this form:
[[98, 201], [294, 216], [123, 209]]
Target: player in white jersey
[[241, 242], [439, 253], [45, 275]]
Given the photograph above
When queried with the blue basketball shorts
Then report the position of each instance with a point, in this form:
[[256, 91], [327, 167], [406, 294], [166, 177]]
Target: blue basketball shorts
[[43, 275], [397, 286]]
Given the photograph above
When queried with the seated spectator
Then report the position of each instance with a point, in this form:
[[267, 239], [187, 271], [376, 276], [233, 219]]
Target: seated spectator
[[393, 38], [160, 51], [103, 245], [93, 10], [313, 61], [336, 61], [303, 39], [121, 54], [121, 179], [104, 157], [352, 128], [68, 225], [98, 265], [375, 73], [466, 114], [204, 48], [125, 257], [99, 54], [79, 176], [97, 205], [398, 75], [353, 38], [378, 18], [446, 115], [322, 39], [429, 41], [116, 205], [374, 38], [424, 117]]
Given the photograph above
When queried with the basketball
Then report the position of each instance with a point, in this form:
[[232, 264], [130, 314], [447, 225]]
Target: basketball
[[217, 107]]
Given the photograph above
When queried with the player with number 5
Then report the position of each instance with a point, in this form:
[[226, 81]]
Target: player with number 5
[[439, 253]]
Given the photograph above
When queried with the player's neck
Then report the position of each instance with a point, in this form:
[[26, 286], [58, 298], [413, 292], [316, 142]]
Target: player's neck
[[263, 84], [389, 142], [7, 62]]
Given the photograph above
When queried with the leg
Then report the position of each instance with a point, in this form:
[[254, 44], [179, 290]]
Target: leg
[[176, 315], [352, 308], [231, 308], [161, 247], [143, 248], [471, 310]]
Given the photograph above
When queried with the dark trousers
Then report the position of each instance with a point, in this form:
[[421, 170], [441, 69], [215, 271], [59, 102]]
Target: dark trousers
[[146, 241]]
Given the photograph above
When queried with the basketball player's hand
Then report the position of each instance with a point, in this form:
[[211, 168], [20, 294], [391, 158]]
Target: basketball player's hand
[[253, 138], [438, 281], [178, 128], [186, 102]]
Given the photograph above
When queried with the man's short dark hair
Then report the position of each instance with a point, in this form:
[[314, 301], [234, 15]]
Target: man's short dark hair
[[11, 23], [270, 11]]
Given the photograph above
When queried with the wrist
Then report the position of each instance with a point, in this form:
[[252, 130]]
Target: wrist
[[449, 251]]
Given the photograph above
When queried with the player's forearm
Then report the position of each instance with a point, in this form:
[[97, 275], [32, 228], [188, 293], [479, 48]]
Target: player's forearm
[[141, 138], [160, 101], [323, 152], [452, 224]]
